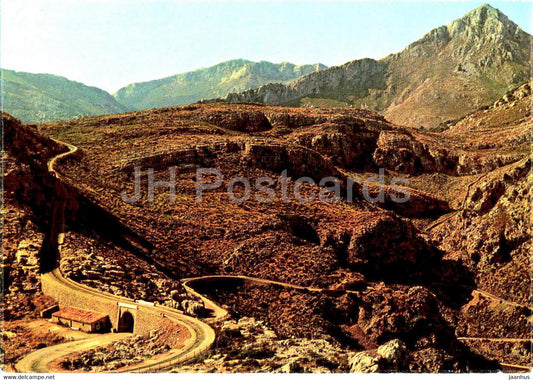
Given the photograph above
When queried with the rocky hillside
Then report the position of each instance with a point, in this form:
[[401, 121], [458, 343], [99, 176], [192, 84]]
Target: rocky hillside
[[37, 98], [450, 72], [439, 281], [495, 237], [215, 81]]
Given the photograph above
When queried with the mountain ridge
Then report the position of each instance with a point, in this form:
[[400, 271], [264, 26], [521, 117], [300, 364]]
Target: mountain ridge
[[450, 71], [47, 97], [213, 81]]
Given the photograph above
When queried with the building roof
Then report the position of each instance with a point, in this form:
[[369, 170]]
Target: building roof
[[79, 315]]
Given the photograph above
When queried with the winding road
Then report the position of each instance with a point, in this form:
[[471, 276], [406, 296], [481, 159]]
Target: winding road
[[501, 300], [202, 335], [51, 163], [509, 340], [39, 361], [201, 338]]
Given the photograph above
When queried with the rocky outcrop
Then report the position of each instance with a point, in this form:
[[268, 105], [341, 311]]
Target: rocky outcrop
[[346, 145], [403, 251], [394, 353], [20, 263], [413, 203], [389, 357], [355, 77], [410, 334], [194, 308], [401, 152], [494, 237], [249, 345], [408, 314], [364, 362], [513, 96], [245, 121]]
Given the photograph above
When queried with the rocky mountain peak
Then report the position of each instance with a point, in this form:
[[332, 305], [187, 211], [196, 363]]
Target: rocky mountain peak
[[485, 13], [483, 22]]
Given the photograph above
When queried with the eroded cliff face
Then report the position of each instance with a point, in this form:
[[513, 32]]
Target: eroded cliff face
[[493, 232], [27, 177], [355, 78]]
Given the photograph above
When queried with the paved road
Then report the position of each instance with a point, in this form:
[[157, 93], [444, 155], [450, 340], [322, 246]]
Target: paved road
[[510, 340], [188, 282], [202, 335], [201, 338], [515, 367], [499, 299], [51, 163], [221, 313], [39, 361]]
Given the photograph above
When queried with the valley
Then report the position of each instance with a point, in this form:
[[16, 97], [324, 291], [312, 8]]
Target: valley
[[332, 272]]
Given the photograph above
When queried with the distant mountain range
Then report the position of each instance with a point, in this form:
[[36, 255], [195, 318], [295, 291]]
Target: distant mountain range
[[451, 71], [215, 81], [44, 97]]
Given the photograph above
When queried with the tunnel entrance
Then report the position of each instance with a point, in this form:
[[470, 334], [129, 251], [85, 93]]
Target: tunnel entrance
[[126, 322]]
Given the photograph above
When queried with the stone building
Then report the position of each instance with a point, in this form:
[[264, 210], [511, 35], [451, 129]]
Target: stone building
[[80, 319]]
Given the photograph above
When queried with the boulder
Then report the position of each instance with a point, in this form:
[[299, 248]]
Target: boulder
[[364, 362], [394, 352], [290, 367]]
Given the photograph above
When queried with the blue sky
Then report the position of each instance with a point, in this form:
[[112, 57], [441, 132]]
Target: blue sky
[[111, 43]]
